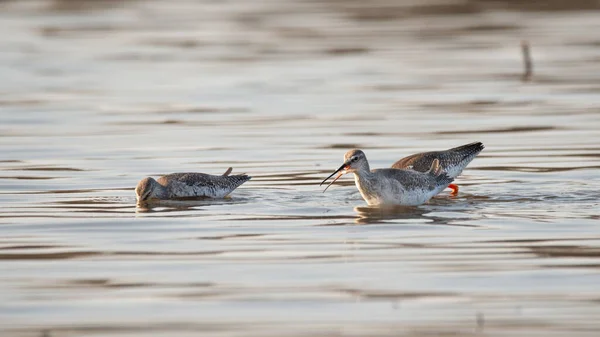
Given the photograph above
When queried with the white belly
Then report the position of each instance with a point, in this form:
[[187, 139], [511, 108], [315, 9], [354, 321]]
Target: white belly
[[392, 193]]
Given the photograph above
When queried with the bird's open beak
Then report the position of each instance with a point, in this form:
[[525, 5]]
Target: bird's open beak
[[342, 168]]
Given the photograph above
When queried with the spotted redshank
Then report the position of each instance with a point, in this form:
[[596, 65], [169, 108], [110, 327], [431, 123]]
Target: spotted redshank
[[453, 161], [185, 185], [391, 186]]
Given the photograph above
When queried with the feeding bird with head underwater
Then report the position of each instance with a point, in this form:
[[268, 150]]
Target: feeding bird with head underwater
[[186, 185]]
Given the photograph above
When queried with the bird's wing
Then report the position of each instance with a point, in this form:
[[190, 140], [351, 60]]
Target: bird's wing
[[409, 179]]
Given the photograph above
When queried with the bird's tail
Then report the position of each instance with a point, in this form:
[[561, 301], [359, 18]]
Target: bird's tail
[[238, 179], [468, 151]]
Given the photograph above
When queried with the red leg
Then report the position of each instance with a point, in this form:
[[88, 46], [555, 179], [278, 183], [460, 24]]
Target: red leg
[[454, 189]]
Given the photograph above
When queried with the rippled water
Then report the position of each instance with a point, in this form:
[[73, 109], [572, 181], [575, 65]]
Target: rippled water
[[96, 95]]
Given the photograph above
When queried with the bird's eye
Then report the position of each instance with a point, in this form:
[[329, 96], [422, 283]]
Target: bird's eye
[[354, 158]]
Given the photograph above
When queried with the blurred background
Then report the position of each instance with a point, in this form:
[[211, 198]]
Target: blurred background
[[96, 95]]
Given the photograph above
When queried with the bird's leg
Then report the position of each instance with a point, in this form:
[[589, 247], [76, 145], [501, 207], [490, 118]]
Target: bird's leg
[[454, 189]]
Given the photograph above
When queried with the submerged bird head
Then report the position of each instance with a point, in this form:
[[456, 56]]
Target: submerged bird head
[[145, 189], [354, 161]]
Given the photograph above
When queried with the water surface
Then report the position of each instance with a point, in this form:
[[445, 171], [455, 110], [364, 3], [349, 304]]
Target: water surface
[[97, 95]]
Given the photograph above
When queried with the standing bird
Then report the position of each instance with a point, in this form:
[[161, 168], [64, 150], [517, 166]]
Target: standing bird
[[185, 185], [391, 186], [453, 161]]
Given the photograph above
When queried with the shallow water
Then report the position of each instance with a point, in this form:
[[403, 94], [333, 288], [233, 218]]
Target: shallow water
[[96, 95]]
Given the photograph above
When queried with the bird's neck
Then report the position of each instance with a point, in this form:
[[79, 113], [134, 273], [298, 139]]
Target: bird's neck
[[363, 173], [364, 170], [366, 185]]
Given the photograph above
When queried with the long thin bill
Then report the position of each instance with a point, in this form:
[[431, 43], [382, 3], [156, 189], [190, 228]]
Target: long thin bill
[[334, 180], [336, 171]]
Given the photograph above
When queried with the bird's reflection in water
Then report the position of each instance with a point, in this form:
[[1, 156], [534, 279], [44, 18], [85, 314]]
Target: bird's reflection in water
[[184, 204], [375, 215]]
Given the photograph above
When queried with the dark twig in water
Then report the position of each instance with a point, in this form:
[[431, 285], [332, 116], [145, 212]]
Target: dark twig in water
[[527, 63], [45, 333], [480, 321]]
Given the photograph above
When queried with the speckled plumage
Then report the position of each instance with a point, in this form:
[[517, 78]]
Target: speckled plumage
[[453, 161], [391, 186], [185, 185]]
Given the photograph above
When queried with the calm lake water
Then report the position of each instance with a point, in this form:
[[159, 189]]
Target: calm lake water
[[97, 95]]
